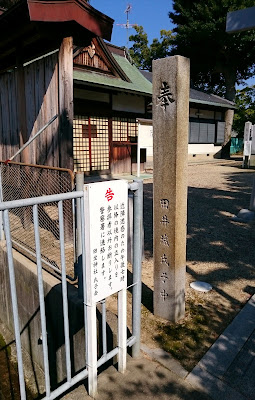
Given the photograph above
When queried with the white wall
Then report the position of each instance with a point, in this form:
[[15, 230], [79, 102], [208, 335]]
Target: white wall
[[145, 138], [208, 148], [145, 141]]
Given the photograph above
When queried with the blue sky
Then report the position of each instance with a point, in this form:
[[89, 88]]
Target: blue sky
[[152, 15]]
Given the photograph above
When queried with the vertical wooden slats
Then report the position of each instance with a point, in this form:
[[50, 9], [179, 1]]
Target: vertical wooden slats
[[14, 143], [21, 103], [29, 72], [9, 138], [1, 117], [5, 120], [39, 94], [55, 125], [29, 98]]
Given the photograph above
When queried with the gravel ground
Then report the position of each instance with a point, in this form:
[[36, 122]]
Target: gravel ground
[[219, 250]]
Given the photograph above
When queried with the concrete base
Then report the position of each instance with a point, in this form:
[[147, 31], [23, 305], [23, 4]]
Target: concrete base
[[30, 325], [29, 317], [252, 161]]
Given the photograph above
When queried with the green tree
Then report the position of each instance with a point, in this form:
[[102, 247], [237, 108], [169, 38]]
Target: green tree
[[245, 101], [142, 53], [5, 4], [218, 60]]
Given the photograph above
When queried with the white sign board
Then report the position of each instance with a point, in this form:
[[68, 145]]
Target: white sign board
[[253, 140], [247, 131], [247, 148], [105, 238]]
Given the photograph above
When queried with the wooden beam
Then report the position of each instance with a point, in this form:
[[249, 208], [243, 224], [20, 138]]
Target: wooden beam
[[21, 106], [66, 103]]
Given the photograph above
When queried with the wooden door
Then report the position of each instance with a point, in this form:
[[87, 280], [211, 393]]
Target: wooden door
[[123, 136], [121, 158]]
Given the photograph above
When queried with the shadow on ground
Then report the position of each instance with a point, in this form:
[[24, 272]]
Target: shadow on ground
[[212, 235], [219, 251], [146, 380]]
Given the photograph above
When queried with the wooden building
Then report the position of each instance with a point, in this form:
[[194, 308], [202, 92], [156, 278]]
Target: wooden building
[[109, 95], [208, 124], [36, 75], [54, 61]]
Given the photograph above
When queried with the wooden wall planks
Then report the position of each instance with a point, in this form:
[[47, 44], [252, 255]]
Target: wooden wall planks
[[29, 99]]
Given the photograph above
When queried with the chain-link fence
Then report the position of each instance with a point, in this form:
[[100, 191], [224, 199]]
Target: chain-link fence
[[22, 181]]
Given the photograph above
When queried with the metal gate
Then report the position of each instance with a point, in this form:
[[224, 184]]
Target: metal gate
[[94, 358]]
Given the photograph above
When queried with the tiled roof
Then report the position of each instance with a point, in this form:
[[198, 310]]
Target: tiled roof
[[199, 97], [138, 83]]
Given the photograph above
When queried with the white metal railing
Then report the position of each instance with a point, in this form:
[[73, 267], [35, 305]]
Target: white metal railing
[[90, 339], [34, 202]]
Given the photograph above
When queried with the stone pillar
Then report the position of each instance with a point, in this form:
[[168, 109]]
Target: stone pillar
[[171, 82]]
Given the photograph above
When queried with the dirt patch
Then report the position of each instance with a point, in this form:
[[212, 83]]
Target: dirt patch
[[219, 251]]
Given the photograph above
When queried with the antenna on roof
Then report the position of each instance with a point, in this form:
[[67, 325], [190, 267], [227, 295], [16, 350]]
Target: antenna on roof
[[127, 25]]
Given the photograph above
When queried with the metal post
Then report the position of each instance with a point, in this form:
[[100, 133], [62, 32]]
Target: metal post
[[89, 317], [14, 304], [64, 290], [1, 212], [41, 301], [92, 349], [122, 330], [79, 182], [137, 266], [138, 152], [104, 334]]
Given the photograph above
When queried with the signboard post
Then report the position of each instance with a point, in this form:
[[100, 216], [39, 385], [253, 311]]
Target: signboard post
[[247, 144], [106, 261]]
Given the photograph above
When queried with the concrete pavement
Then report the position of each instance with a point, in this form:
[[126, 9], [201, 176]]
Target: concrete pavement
[[226, 372]]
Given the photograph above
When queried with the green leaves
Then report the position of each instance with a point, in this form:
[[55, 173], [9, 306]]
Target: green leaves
[[218, 60], [245, 101], [142, 53]]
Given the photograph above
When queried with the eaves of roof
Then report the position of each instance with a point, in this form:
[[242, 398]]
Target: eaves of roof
[[140, 84], [71, 10], [39, 26], [215, 104], [199, 97], [137, 83]]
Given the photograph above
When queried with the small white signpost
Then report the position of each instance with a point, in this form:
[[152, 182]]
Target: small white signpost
[[249, 145], [247, 149], [106, 261]]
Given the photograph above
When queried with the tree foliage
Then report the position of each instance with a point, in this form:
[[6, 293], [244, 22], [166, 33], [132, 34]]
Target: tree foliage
[[5, 4], [142, 53], [218, 59], [245, 101]]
